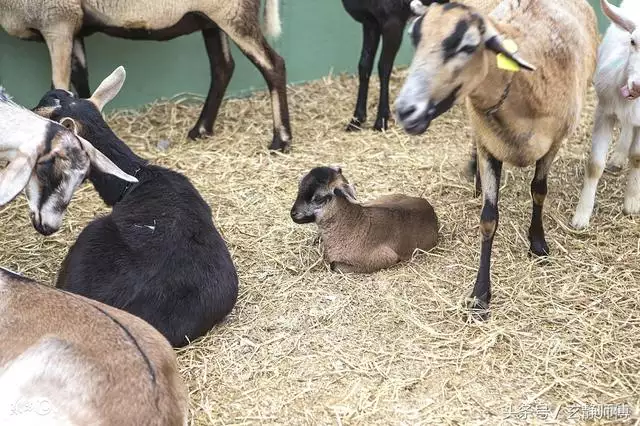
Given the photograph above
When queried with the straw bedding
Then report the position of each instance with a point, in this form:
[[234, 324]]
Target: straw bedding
[[307, 346]]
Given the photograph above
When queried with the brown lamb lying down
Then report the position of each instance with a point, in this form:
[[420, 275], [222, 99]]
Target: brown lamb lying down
[[363, 237]]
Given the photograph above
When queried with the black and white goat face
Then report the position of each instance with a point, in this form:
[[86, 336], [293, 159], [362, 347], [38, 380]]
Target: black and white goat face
[[57, 174], [48, 160], [316, 190]]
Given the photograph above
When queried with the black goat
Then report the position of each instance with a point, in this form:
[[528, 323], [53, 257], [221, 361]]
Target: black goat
[[386, 18], [158, 254]]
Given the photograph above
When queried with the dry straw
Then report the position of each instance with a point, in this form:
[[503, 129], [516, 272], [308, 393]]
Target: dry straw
[[306, 346]]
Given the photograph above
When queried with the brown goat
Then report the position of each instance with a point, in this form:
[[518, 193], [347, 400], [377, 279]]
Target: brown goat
[[63, 25], [363, 237], [518, 117], [66, 359]]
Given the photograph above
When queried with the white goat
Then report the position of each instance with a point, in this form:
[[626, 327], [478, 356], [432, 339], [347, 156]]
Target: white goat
[[69, 360], [47, 160], [617, 84]]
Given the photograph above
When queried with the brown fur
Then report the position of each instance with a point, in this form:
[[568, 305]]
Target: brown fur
[[533, 118], [96, 372], [366, 237]]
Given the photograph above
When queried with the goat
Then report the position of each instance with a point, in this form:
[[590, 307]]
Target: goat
[[47, 160], [363, 237], [516, 116], [63, 25], [65, 359], [158, 255], [379, 18], [617, 84]]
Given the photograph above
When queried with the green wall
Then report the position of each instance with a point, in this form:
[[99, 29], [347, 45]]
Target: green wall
[[318, 38]]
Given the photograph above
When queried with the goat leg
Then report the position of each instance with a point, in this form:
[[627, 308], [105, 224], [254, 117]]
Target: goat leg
[[491, 171], [79, 70], [632, 193], [621, 151], [60, 44], [391, 40], [222, 66], [601, 139], [370, 41], [539, 246]]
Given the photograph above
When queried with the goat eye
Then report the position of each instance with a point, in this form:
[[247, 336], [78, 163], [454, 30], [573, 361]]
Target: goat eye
[[318, 199], [633, 42]]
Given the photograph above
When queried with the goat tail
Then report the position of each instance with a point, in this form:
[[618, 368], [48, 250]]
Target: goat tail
[[272, 24]]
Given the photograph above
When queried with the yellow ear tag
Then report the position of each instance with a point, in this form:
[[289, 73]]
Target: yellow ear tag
[[506, 63]]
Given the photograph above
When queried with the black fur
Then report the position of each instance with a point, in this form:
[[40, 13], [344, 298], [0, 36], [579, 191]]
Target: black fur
[[386, 19], [158, 254], [452, 42]]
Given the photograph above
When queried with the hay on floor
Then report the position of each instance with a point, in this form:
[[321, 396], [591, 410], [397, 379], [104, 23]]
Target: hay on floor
[[307, 346]]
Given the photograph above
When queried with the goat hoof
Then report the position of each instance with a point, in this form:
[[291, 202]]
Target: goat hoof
[[199, 132], [381, 124], [354, 125], [539, 249], [478, 310], [613, 169], [278, 144], [470, 171]]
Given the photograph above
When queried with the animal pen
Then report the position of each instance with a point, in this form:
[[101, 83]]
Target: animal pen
[[305, 345]]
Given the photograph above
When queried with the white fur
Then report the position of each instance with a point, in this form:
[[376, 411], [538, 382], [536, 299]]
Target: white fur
[[273, 26], [618, 65], [46, 385]]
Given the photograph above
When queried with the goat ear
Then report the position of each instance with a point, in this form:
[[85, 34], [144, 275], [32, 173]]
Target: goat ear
[[347, 191], [336, 168], [508, 58], [15, 177], [70, 124], [109, 88], [102, 163], [418, 8], [617, 16]]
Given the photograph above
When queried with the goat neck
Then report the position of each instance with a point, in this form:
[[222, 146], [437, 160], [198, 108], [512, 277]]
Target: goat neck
[[340, 213], [110, 188], [491, 96]]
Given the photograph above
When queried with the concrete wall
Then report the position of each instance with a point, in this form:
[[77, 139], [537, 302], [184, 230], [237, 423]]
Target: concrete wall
[[318, 38]]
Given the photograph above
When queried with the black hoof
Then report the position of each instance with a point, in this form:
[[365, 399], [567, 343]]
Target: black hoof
[[199, 133], [478, 310], [613, 170], [539, 248], [381, 124], [354, 126], [277, 144]]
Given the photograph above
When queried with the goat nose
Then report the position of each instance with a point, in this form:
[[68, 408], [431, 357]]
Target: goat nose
[[406, 111], [45, 229]]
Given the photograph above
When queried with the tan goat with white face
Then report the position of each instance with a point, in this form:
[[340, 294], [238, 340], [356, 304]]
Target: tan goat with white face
[[69, 360], [363, 237], [520, 113], [63, 25]]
